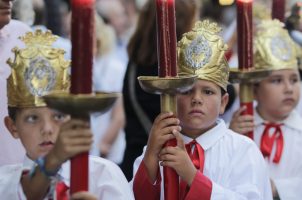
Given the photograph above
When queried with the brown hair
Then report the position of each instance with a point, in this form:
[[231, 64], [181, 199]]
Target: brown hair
[[12, 112], [142, 48]]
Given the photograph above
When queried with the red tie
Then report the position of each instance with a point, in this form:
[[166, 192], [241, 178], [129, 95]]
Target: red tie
[[61, 190], [267, 141], [197, 157]]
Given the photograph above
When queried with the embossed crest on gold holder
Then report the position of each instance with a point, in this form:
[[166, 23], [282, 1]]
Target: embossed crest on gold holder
[[201, 52], [38, 69], [274, 49], [40, 76]]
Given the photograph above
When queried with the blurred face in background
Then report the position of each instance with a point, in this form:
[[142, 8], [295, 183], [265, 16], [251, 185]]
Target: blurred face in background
[[115, 13], [5, 12], [278, 94]]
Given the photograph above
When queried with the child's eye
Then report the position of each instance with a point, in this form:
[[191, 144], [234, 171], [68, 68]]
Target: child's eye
[[294, 80], [31, 118], [59, 117], [187, 92], [276, 80], [208, 92]]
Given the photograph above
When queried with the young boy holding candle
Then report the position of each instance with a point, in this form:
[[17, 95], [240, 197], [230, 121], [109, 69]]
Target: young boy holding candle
[[49, 137], [219, 164], [276, 125]]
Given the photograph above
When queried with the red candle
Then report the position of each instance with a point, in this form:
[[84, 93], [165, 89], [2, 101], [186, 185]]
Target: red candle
[[81, 77], [245, 34], [245, 50], [82, 46], [278, 10], [166, 38]]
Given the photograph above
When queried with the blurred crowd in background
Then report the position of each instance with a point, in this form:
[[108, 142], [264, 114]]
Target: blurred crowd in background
[[121, 21]]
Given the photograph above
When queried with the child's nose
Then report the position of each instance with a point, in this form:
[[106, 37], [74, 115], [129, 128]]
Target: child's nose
[[288, 86], [197, 98], [47, 128]]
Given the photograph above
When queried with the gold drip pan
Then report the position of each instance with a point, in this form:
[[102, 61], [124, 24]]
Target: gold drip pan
[[252, 76], [167, 85], [81, 105]]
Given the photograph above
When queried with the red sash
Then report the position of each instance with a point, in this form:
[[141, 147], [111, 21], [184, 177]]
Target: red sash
[[268, 140]]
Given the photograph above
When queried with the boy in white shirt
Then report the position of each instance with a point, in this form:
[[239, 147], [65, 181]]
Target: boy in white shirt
[[219, 164], [49, 137], [276, 125]]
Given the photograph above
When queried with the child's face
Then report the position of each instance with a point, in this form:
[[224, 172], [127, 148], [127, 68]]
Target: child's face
[[278, 94], [199, 108], [37, 128]]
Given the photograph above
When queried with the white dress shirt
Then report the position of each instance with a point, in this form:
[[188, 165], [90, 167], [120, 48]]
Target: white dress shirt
[[233, 163], [106, 180], [287, 174], [11, 150]]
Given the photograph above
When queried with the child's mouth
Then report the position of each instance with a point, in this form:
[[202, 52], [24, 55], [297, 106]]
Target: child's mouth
[[196, 112], [47, 144]]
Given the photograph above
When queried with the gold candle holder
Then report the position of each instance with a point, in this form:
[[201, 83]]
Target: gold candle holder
[[246, 79], [167, 87], [81, 105]]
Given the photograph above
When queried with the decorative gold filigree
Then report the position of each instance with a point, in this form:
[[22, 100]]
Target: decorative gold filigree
[[201, 52], [39, 38], [260, 12], [274, 49], [37, 70]]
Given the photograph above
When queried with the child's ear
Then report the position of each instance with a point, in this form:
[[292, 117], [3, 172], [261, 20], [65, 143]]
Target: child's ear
[[10, 125], [224, 102]]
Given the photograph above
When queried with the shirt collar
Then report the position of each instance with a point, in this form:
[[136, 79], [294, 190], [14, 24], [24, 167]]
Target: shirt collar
[[209, 138], [294, 120], [28, 163]]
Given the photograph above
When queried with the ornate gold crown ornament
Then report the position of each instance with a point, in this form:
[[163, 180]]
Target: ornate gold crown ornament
[[201, 52], [37, 70], [274, 49]]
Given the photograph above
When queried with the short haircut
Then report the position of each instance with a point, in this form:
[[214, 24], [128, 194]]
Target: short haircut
[[12, 112]]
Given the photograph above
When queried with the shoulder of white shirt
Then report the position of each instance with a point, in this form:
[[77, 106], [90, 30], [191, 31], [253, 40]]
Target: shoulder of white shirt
[[17, 26]]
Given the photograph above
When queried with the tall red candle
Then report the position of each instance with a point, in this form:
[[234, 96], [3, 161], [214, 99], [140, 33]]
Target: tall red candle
[[81, 77], [82, 46], [278, 10], [245, 34], [245, 51], [166, 38]]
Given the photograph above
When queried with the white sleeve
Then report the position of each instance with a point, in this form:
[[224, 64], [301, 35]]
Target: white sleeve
[[248, 178], [108, 181], [290, 188], [10, 186]]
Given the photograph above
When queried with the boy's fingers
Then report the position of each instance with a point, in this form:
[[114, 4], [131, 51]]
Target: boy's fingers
[[239, 111], [180, 142], [83, 195], [162, 116], [245, 118], [77, 133], [166, 157], [168, 122], [169, 130], [168, 164], [75, 124], [168, 137], [80, 141]]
